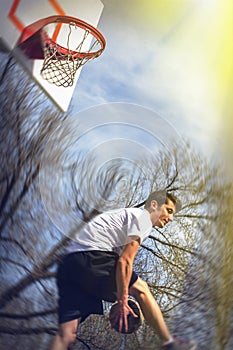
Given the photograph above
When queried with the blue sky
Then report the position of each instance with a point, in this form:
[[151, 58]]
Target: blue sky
[[161, 79], [90, 145], [164, 63]]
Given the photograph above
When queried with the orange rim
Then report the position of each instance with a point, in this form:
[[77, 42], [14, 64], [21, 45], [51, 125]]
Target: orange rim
[[39, 25]]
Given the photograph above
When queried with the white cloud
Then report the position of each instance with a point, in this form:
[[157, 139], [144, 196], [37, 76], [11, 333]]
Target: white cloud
[[170, 76]]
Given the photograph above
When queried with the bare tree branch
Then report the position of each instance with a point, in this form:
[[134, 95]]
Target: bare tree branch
[[170, 244], [28, 315], [28, 331], [162, 258]]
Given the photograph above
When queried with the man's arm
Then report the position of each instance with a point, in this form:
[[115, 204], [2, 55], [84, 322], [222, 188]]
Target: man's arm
[[124, 269], [123, 275]]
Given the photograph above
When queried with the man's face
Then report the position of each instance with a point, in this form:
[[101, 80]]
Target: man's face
[[160, 216]]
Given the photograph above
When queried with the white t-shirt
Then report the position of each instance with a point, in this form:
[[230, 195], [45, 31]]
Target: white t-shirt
[[110, 231]]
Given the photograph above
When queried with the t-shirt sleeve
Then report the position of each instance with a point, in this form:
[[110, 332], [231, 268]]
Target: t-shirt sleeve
[[139, 225]]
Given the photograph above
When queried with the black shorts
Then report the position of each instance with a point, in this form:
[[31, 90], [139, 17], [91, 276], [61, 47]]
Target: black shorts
[[84, 280]]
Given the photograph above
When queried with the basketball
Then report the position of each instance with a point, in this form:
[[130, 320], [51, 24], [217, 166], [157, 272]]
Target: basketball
[[133, 322]]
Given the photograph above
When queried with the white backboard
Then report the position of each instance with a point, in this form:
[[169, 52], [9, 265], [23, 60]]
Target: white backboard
[[15, 15]]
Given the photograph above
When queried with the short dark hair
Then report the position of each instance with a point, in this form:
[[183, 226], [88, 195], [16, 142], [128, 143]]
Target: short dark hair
[[162, 197]]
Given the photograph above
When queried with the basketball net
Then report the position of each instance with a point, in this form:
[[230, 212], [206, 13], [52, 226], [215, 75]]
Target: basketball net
[[61, 64]]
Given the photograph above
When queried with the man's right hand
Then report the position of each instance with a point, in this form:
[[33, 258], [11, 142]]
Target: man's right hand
[[119, 316]]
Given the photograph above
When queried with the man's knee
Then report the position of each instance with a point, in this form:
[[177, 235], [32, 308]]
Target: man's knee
[[67, 333], [139, 289]]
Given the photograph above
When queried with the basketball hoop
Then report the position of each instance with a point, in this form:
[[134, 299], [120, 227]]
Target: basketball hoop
[[66, 44]]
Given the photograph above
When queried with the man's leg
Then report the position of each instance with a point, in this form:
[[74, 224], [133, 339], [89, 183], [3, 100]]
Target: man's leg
[[66, 335], [150, 309]]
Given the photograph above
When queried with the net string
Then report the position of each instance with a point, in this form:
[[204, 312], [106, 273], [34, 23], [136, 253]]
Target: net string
[[60, 65]]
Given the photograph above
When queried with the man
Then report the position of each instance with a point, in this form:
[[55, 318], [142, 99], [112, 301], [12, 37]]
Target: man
[[99, 266]]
